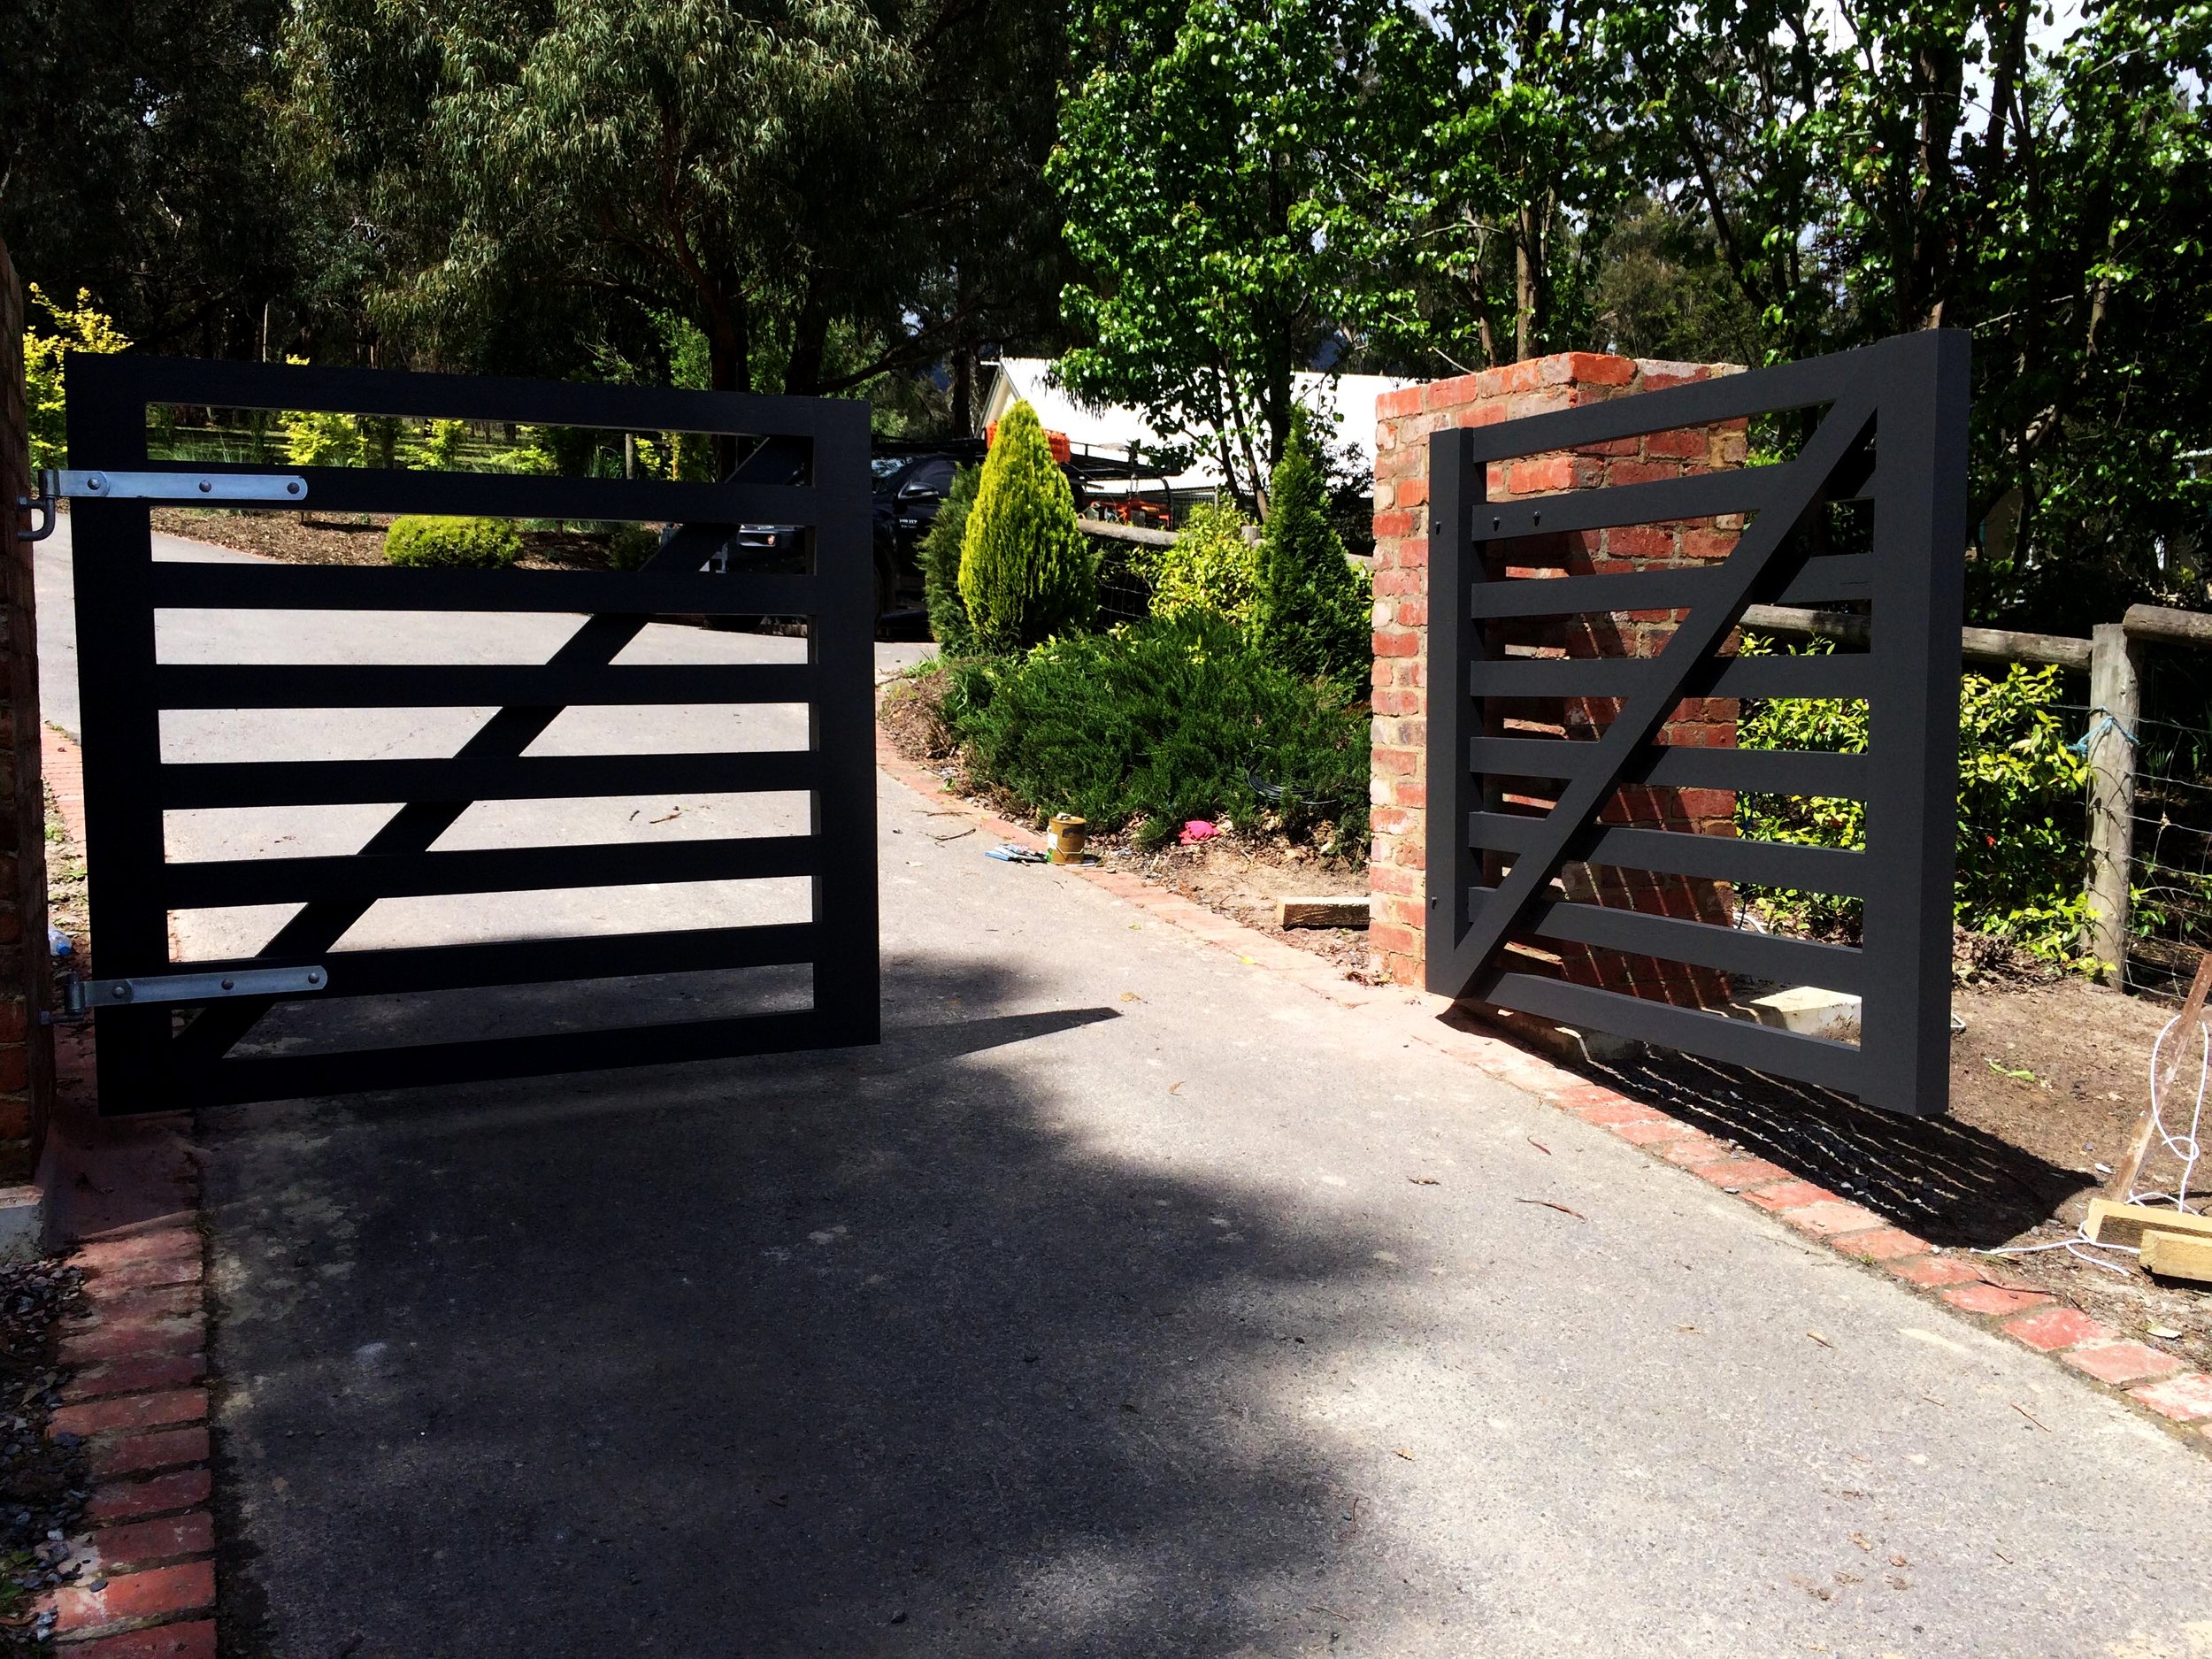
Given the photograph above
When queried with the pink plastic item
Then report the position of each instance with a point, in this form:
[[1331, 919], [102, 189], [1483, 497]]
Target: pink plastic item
[[1198, 830]]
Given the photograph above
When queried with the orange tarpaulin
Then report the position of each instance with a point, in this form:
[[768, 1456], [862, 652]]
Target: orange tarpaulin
[[1057, 442]]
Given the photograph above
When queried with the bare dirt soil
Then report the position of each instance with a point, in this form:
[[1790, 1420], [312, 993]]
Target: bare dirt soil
[[353, 538]]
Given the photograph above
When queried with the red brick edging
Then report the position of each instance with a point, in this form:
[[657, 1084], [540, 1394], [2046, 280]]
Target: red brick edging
[[2154, 1381], [145, 1588]]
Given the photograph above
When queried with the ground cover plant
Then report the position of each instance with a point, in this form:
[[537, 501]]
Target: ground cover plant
[[1156, 723]]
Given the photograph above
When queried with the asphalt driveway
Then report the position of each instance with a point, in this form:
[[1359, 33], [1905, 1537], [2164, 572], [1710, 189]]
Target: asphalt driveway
[[1126, 1300]]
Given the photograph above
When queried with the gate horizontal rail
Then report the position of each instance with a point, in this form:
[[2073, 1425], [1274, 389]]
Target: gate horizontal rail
[[808, 468]]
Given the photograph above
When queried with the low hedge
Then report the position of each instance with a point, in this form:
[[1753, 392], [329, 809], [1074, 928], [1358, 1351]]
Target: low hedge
[[1158, 722], [419, 540]]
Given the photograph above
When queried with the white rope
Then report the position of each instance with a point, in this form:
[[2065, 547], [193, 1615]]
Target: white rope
[[2189, 1147]]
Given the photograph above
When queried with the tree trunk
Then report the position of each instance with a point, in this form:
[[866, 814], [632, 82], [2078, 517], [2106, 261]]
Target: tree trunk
[[810, 345], [963, 389], [1528, 255], [729, 369]]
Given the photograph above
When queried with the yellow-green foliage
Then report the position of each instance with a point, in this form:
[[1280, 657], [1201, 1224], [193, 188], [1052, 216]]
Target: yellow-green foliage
[[81, 327], [318, 437], [462, 543], [438, 447], [1212, 568], [1025, 574]]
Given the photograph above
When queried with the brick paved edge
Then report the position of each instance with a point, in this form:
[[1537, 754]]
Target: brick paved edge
[[146, 1577], [1973, 1289], [139, 1399]]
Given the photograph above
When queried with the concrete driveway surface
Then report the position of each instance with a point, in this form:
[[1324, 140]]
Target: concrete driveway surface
[[1125, 1302]]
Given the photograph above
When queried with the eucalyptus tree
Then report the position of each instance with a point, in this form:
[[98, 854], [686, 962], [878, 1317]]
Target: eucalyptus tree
[[1871, 167], [818, 187]]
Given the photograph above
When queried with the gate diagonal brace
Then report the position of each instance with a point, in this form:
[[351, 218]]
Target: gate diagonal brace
[[1706, 625], [417, 825]]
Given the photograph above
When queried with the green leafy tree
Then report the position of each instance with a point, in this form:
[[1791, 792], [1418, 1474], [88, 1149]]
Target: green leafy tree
[[1310, 610], [941, 549], [1872, 167], [1201, 157], [137, 159], [829, 192], [1494, 155], [1025, 574]]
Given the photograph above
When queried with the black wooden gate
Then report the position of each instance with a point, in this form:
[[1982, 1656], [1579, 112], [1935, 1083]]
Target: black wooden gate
[[1893, 433], [166, 1030]]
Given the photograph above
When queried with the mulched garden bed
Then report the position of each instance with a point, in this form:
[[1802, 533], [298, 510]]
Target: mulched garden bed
[[306, 538], [43, 1480]]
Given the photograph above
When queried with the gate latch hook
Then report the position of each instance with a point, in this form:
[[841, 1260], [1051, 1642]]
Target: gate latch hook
[[42, 505]]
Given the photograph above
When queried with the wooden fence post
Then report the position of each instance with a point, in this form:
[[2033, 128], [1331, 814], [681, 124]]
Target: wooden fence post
[[2114, 707]]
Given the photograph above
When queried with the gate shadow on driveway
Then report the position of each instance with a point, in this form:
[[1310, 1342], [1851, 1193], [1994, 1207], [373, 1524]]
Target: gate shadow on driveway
[[883, 1351]]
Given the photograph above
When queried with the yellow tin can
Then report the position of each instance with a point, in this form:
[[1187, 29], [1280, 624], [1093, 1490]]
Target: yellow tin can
[[1065, 840]]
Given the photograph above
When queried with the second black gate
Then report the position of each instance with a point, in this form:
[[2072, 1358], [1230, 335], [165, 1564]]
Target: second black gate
[[169, 1031]]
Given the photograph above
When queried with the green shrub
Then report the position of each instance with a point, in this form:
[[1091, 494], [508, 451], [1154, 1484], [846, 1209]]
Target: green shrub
[[84, 327], [630, 545], [441, 446], [1311, 609], [1025, 574], [1211, 568], [2020, 859], [455, 544], [940, 565], [1158, 722]]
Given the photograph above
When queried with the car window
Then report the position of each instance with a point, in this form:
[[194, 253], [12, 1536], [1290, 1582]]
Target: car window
[[934, 475], [883, 468]]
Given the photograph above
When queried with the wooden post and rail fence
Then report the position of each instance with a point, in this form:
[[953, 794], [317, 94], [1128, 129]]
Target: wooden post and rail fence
[[2111, 658]]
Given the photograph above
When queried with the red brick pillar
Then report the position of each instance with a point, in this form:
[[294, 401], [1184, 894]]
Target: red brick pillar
[[26, 1047], [1402, 677]]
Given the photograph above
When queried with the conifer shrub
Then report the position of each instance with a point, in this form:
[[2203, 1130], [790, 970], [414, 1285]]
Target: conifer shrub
[[1311, 609], [1025, 574], [1158, 722], [425, 540], [940, 565]]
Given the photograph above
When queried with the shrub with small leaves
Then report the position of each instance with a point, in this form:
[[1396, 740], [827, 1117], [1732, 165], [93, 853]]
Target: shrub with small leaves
[[423, 540], [81, 327], [630, 545], [1212, 568], [1157, 722], [2020, 859]]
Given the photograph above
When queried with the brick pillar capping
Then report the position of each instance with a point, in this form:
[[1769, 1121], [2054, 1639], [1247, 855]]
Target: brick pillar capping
[[1398, 780], [26, 1047]]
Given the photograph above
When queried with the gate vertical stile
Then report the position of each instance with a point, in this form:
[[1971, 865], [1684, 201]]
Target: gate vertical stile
[[1913, 722], [128, 787], [847, 967], [128, 920]]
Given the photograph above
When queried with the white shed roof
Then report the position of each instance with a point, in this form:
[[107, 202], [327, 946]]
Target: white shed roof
[[1112, 428]]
